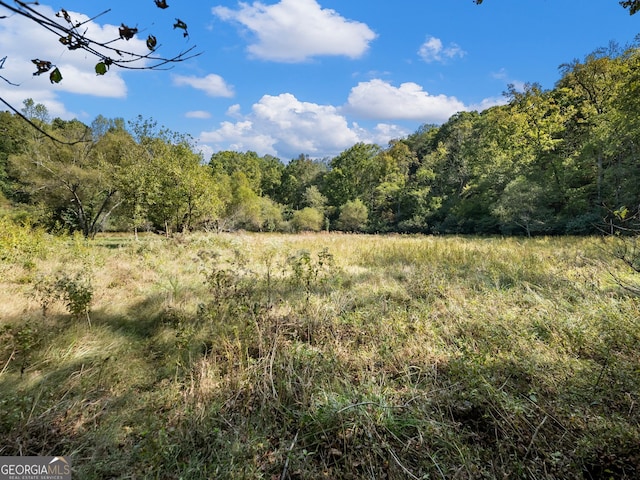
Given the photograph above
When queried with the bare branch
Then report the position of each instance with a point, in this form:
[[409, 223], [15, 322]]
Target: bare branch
[[70, 36], [69, 33]]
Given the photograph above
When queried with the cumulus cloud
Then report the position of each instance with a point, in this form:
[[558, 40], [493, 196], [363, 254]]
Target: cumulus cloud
[[282, 125], [240, 136], [377, 99], [433, 50], [213, 85], [296, 30]]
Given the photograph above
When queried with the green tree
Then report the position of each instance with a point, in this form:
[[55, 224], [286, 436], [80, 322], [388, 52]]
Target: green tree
[[394, 165], [248, 163], [73, 185], [245, 208], [314, 198], [307, 219], [117, 151], [522, 204], [13, 140], [182, 192], [596, 132], [271, 170], [299, 174], [353, 216], [450, 160], [271, 213], [354, 173]]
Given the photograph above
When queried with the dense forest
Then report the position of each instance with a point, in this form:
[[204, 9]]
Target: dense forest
[[557, 161]]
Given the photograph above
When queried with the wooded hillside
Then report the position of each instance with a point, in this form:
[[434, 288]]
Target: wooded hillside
[[556, 161]]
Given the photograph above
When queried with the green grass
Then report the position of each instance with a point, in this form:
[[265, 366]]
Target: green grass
[[324, 356]]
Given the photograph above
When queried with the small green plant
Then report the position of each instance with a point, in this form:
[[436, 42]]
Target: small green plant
[[309, 272], [77, 293], [18, 341], [74, 291], [232, 285]]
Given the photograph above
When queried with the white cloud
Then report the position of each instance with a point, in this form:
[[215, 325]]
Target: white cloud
[[378, 99], [234, 111], [201, 114], [284, 126], [433, 50], [380, 134], [240, 136], [296, 30], [213, 85], [500, 74], [488, 103], [16, 97]]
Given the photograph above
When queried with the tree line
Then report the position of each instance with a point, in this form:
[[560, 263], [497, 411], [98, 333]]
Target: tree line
[[556, 161]]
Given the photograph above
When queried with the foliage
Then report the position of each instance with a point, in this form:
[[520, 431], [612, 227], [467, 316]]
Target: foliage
[[308, 219], [546, 162], [353, 216], [21, 243], [74, 291]]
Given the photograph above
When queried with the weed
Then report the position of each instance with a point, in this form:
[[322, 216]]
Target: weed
[[18, 342], [309, 271], [74, 291]]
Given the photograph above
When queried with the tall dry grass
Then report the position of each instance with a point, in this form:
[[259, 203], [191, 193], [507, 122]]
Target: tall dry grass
[[325, 356]]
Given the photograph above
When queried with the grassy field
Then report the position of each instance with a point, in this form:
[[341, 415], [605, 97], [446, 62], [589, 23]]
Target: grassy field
[[319, 356]]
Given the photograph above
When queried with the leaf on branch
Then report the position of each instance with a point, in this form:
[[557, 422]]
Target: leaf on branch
[[43, 66], [181, 25], [64, 14], [152, 42], [127, 33], [621, 213], [73, 43], [101, 68], [161, 4], [632, 5], [55, 76]]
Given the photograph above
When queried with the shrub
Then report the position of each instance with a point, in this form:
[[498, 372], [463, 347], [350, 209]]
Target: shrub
[[307, 219], [21, 243], [353, 216], [76, 292]]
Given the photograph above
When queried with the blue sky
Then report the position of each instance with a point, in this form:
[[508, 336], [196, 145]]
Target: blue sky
[[311, 76]]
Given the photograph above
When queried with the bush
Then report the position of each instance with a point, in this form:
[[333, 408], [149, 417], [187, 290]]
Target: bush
[[307, 219], [21, 243], [353, 216], [76, 292]]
